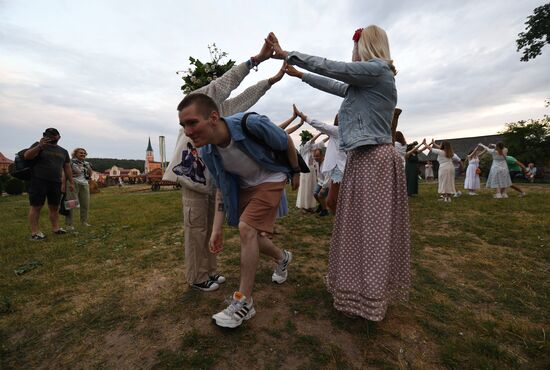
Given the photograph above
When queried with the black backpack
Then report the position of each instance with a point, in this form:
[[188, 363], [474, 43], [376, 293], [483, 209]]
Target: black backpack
[[22, 168]]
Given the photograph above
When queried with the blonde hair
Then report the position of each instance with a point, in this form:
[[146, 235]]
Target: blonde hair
[[77, 150], [374, 43]]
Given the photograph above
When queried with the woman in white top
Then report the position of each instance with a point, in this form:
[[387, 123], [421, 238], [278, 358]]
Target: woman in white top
[[499, 177], [304, 199], [334, 164], [471, 181], [429, 171], [400, 145], [446, 173]]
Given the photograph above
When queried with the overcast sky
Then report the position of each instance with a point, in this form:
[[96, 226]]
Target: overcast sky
[[103, 71]]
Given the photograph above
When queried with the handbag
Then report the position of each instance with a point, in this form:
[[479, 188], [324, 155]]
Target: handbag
[[478, 171], [280, 156], [62, 209]]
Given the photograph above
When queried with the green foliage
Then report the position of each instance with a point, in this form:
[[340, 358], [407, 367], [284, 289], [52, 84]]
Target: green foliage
[[529, 141], [102, 164], [537, 33], [305, 136], [3, 180], [15, 186], [201, 74]]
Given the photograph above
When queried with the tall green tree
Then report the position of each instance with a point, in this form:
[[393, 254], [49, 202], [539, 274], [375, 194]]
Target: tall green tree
[[537, 33], [529, 141]]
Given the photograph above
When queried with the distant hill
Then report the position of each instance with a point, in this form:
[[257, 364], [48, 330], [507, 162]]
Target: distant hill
[[102, 164]]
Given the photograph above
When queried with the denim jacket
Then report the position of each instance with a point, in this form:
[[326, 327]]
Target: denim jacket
[[369, 93], [261, 127]]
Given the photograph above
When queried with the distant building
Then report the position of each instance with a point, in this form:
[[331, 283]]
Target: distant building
[[4, 163], [116, 171], [150, 163]]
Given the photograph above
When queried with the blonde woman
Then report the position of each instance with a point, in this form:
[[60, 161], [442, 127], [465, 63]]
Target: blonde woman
[[369, 259], [82, 172], [446, 174], [499, 177]]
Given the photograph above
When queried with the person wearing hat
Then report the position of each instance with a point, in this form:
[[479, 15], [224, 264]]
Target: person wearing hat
[[50, 160]]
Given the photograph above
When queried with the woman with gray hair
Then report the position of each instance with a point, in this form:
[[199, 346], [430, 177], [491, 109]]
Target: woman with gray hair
[[82, 172]]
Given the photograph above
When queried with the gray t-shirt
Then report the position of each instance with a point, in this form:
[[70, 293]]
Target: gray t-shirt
[[49, 162]]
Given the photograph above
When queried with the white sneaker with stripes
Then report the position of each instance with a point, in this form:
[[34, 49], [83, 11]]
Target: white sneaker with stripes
[[281, 271], [237, 311]]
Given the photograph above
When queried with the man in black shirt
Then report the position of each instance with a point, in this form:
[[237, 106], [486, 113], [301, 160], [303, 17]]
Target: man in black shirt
[[49, 161]]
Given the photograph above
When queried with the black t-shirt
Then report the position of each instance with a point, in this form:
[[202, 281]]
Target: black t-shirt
[[49, 162]]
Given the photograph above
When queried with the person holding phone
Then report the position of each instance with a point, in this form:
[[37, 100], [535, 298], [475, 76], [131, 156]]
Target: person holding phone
[[50, 160]]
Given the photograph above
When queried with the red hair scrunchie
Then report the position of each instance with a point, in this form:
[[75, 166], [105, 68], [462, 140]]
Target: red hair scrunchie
[[357, 35]]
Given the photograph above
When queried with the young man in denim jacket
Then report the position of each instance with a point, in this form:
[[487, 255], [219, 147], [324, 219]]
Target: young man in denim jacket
[[249, 182]]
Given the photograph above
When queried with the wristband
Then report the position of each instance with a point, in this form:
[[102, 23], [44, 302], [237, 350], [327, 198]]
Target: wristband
[[296, 170], [254, 64]]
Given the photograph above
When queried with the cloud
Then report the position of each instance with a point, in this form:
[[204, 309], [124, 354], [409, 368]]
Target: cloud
[[104, 72]]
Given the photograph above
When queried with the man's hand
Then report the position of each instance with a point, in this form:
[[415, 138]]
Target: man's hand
[[44, 141], [295, 181], [291, 71], [216, 242], [71, 188]]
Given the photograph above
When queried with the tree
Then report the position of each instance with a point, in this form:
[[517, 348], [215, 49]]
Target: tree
[[537, 33], [529, 141], [204, 73]]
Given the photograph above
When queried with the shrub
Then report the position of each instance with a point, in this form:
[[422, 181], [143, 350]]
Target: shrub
[[14, 186], [201, 74]]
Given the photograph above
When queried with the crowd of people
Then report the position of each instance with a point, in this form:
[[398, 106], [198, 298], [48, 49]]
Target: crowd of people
[[233, 167], [504, 168]]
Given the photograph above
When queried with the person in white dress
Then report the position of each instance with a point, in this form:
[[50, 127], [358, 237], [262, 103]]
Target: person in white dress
[[471, 181], [305, 199], [429, 171], [499, 177], [446, 175], [334, 164]]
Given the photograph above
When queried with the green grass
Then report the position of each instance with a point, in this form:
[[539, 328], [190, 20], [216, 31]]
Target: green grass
[[114, 295]]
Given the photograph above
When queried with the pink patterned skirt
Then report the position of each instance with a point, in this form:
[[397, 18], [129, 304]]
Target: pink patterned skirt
[[369, 260]]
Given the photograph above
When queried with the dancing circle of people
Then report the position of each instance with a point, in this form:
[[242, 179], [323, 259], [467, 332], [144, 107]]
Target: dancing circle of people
[[362, 172]]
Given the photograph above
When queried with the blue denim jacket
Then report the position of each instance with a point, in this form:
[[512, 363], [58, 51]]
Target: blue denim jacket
[[369, 93], [261, 127]]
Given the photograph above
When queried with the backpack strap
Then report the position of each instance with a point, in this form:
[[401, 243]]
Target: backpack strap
[[248, 133]]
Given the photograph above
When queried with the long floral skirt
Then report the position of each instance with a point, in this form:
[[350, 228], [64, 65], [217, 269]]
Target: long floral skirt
[[369, 260]]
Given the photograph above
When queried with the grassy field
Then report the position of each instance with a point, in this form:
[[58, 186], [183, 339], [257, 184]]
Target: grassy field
[[114, 295]]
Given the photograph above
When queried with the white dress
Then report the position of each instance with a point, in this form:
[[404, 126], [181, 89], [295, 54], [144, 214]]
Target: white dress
[[499, 177], [428, 172], [305, 198], [471, 182], [446, 173]]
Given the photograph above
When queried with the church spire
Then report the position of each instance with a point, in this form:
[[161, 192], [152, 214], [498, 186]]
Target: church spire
[[149, 147]]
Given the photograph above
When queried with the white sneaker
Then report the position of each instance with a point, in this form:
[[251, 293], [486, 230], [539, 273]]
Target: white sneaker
[[86, 224], [281, 271], [69, 228], [504, 195], [521, 195], [237, 311], [457, 194], [206, 286], [217, 278], [472, 193], [497, 196]]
